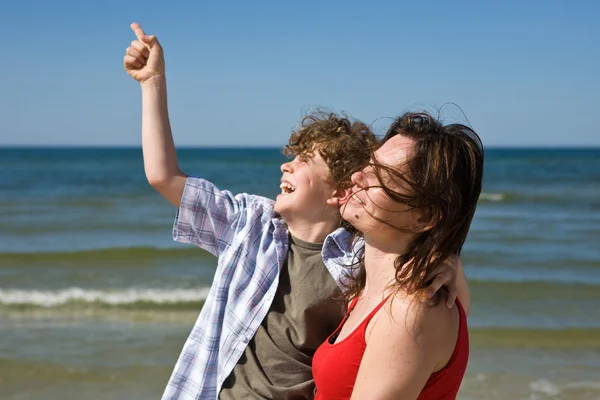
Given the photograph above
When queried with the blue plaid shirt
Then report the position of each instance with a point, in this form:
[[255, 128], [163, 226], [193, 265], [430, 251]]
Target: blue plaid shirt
[[250, 242]]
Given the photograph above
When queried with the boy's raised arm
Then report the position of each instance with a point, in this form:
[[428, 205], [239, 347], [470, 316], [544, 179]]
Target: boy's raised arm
[[144, 61]]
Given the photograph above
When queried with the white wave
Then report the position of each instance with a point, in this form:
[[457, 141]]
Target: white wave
[[583, 385], [492, 196], [544, 387], [49, 298]]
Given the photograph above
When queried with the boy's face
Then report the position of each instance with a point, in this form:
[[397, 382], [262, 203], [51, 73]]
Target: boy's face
[[305, 189]]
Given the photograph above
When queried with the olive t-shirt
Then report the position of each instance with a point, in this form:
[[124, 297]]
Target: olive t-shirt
[[306, 309]]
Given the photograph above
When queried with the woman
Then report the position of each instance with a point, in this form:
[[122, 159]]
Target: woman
[[413, 204]]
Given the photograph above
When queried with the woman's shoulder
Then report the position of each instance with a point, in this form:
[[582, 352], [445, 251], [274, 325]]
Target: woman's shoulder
[[412, 329], [421, 317]]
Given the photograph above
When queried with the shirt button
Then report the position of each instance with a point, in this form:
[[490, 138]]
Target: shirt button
[[268, 297]]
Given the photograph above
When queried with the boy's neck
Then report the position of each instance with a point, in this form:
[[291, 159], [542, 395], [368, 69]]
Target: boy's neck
[[312, 232]]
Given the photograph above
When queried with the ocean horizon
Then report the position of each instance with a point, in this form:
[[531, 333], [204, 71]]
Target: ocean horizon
[[592, 147]]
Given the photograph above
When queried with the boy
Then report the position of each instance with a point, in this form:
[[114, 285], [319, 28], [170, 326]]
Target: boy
[[280, 264]]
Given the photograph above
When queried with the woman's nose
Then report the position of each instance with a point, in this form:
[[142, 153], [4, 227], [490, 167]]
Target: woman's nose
[[357, 178]]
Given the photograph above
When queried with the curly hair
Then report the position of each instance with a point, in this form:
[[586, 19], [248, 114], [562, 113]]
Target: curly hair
[[344, 144], [444, 174]]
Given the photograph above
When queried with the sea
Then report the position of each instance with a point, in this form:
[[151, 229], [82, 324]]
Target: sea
[[96, 299]]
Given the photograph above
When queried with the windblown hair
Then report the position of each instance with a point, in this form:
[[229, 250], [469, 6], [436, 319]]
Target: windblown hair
[[344, 144], [443, 174]]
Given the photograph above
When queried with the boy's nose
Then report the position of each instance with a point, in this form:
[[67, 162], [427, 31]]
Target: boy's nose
[[286, 167]]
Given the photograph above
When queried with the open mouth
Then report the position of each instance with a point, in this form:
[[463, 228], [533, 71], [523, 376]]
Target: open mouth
[[351, 195], [356, 199], [287, 188]]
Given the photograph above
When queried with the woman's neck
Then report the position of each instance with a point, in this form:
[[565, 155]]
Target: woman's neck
[[380, 260]]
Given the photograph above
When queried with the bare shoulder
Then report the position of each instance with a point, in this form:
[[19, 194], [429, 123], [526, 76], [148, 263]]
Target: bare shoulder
[[407, 341], [417, 319]]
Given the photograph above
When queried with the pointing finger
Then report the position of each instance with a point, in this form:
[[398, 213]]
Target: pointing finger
[[137, 29], [150, 40]]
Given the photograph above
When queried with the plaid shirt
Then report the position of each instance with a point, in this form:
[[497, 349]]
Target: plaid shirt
[[250, 242]]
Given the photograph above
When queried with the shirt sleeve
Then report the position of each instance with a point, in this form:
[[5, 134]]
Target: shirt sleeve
[[341, 251], [208, 217]]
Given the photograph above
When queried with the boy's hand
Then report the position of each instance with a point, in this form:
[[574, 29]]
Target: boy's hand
[[144, 58], [447, 275]]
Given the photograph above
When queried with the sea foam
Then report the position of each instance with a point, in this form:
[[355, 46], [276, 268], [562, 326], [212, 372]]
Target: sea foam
[[128, 296]]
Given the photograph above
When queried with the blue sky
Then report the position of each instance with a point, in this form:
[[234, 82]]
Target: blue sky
[[243, 73]]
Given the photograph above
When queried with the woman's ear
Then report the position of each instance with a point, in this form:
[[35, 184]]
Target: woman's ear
[[426, 220]]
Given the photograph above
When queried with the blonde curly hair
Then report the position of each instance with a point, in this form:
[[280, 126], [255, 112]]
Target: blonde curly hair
[[344, 144]]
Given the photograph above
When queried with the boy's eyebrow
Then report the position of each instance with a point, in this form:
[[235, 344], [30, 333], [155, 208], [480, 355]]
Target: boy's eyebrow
[[307, 155]]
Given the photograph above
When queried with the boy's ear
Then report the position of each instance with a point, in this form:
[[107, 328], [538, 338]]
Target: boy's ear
[[333, 201], [337, 197]]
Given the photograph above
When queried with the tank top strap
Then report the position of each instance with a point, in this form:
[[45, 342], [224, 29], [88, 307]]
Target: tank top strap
[[352, 304], [372, 313]]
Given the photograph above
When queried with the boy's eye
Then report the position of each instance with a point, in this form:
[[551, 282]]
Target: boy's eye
[[303, 158]]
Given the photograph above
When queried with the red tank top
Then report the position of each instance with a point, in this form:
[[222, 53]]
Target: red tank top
[[335, 366]]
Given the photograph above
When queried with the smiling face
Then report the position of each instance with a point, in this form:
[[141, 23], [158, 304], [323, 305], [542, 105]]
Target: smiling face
[[305, 189], [417, 198], [370, 209]]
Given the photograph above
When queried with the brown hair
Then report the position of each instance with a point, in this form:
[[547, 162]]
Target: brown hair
[[344, 144], [444, 173]]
